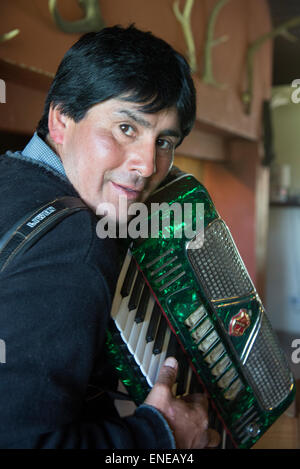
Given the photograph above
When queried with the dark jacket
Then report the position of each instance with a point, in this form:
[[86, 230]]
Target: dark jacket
[[54, 308]]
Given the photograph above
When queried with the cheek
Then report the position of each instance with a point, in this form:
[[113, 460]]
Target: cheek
[[104, 150], [99, 154], [162, 168]]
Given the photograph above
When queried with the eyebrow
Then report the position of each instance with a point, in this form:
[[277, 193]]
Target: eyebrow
[[136, 117]]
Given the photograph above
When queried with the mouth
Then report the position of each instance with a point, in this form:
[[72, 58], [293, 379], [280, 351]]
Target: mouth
[[130, 192]]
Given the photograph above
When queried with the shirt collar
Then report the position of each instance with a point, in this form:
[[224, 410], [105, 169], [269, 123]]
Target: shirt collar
[[38, 150]]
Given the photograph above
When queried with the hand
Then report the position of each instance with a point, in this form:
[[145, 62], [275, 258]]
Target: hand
[[186, 416]]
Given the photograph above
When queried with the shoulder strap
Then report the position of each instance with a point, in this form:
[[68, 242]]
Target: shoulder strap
[[34, 225]]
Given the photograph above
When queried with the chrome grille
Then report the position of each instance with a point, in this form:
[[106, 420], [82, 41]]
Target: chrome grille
[[267, 368], [217, 263]]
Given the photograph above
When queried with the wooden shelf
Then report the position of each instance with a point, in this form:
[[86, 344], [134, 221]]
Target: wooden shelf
[[22, 74], [222, 111]]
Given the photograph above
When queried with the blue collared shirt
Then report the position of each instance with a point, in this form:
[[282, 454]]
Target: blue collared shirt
[[39, 151]]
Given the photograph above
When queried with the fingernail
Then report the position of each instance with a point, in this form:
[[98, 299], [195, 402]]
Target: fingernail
[[171, 362]]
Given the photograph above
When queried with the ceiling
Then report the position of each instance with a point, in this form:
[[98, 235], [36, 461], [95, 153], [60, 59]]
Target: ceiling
[[286, 61]]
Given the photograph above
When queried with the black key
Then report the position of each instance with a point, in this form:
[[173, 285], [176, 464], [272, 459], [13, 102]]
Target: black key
[[160, 336], [154, 320], [183, 368], [172, 350], [136, 291], [142, 306], [126, 286]]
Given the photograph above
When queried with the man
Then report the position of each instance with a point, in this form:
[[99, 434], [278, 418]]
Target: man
[[121, 101]]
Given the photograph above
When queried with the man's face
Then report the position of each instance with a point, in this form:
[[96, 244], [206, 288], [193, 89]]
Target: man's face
[[117, 150]]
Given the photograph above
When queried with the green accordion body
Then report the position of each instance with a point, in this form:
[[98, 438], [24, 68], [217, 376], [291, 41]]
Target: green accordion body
[[203, 289]]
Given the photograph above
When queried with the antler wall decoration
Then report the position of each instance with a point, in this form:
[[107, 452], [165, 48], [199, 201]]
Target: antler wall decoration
[[208, 76], [10, 35], [91, 22], [185, 21]]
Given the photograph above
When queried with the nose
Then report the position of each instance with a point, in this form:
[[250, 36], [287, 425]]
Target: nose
[[142, 158]]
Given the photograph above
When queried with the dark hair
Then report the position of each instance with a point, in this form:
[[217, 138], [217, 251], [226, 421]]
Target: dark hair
[[117, 62]]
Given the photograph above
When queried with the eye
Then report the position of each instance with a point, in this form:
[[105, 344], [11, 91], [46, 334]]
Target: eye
[[165, 144], [127, 129]]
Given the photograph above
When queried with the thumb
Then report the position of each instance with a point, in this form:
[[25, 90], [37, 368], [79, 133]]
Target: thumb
[[168, 372], [161, 393]]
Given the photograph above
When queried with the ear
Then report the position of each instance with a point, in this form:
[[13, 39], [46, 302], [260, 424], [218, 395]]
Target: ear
[[57, 123]]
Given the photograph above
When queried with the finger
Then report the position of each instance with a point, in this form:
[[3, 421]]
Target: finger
[[168, 372], [214, 438]]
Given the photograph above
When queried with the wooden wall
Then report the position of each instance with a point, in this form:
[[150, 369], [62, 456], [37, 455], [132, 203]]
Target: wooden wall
[[41, 45]]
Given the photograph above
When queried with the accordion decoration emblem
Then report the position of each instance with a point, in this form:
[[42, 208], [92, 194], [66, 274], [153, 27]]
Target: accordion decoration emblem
[[193, 298]]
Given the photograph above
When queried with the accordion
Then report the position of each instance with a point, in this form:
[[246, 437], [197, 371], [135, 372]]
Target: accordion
[[192, 297]]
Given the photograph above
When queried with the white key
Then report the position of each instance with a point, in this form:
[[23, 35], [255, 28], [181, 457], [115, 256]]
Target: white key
[[129, 325], [141, 343], [121, 316], [153, 369], [147, 358], [134, 336], [117, 297], [156, 357], [157, 360]]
